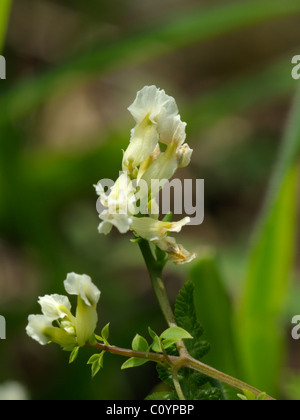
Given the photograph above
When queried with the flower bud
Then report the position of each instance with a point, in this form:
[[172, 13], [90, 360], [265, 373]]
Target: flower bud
[[184, 156], [176, 253]]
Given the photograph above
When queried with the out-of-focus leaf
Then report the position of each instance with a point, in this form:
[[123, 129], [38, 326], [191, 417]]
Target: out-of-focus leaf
[[242, 93], [198, 25], [261, 339], [214, 310], [5, 6], [56, 177]]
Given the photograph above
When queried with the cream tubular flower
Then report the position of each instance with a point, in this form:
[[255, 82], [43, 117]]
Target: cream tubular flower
[[176, 253], [155, 230], [40, 328], [144, 139], [166, 164], [154, 104], [120, 205], [184, 156], [152, 109], [88, 298]]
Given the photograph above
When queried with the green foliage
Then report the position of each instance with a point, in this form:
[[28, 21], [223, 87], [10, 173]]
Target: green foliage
[[212, 394], [214, 308], [171, 35], [140, 344], [133, 362], [172, 335], [186, 318], [156, 344], [105, 333], [194, 384], [249, 396], [161, 396], [269, 269], [74, 355], [96, 362], [5, 6]]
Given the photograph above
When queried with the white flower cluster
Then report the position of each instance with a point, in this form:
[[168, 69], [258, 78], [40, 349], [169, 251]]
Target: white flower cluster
[[156, 150], [57, 324]]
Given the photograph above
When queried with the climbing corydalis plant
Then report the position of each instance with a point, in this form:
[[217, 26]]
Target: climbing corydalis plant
[[157, 148]]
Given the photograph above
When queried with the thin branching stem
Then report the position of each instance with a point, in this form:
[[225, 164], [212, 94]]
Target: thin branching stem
[[184, 360], [179, 362]]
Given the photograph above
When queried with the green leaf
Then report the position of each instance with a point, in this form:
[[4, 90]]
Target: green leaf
[[269, 268], [156, 345], [212, 394], [261, 396], [134, 362], [5, 6], [168, 217], [152, 333], [214, 309], [105, 332], [176, 333], [74, 355], [186, 318], [249, 395], [95, 368], [169, 342], [94, 358], [97, 364], [159, 396], [140, 344], [165, 374], [242, 397]]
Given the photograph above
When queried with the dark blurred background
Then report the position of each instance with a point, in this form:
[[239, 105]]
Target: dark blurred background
[[73, 68]]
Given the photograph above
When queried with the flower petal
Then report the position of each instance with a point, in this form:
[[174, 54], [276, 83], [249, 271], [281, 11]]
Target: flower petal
[[37, 324], [153, 230], [55, 306], [82, 285], [151, 101]]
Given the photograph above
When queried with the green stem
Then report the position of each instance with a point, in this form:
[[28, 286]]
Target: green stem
[[155, 272], [177, 384]]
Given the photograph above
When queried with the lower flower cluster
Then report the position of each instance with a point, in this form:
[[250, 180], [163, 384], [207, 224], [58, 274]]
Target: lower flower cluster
[[57, 324]]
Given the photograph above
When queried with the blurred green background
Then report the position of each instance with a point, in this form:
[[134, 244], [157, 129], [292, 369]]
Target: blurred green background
[[73, 68]]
